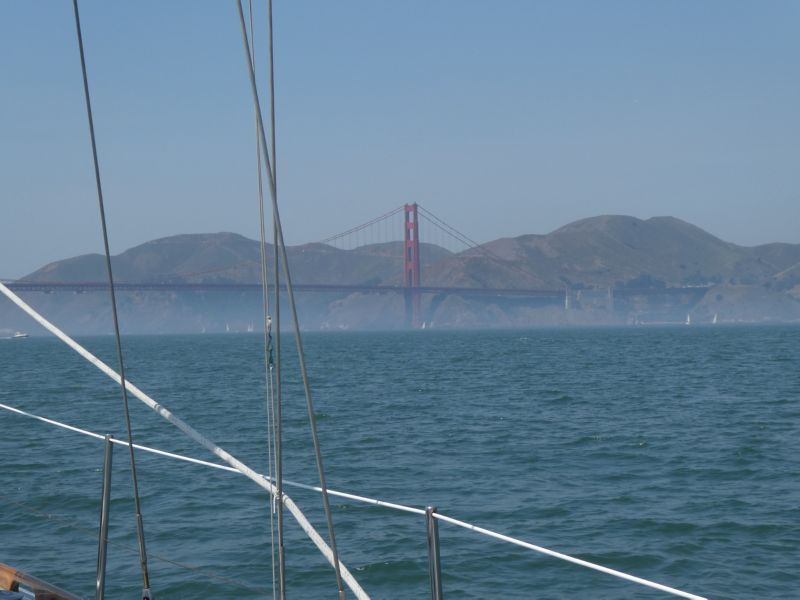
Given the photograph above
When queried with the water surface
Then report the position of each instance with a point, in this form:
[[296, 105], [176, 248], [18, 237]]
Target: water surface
[[671, 453]]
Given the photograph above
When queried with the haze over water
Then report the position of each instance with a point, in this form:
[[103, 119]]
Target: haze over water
[[670, 453]]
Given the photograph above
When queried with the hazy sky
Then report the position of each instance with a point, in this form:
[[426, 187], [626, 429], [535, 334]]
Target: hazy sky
[[502, 117]]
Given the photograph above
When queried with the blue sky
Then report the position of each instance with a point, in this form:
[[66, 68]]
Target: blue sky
[[504, 118]]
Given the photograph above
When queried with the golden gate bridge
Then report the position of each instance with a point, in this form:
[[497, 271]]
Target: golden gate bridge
[[382, 229]]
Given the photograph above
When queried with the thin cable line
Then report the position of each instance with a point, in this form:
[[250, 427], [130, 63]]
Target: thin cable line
[[277, 411], [472, 244], [266, 318], [136, 501], [358, 228], [463, 238], [567, 558], [293, 307], [206, 463]]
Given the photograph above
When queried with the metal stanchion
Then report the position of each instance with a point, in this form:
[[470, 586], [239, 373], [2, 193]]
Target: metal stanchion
[[105, 504], [434, 562]]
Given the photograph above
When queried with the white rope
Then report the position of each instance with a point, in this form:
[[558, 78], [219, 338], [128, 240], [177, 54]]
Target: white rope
[[117, 441], [206, 463], [566, 557], [195, 435], [391, 505]]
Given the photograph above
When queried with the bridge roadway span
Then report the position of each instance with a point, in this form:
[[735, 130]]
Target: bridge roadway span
[[558, 294]]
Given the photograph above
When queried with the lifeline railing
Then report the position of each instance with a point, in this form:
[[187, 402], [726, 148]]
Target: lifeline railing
[[432, 516]]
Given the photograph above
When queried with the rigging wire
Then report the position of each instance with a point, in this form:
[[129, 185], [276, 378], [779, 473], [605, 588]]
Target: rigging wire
[[293, 308], [146, 593], [277, 404], [268, 387]]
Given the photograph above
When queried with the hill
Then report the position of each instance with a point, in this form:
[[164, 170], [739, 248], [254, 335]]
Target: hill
[[232, 258], [616, 250]]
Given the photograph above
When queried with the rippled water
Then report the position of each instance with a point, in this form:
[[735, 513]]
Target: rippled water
[[671, 453]]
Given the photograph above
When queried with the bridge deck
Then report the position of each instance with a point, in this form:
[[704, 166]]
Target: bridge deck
[[94, 286]]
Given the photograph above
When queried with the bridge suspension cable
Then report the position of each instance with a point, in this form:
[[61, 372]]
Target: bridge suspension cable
[[472, 244], [446, 228], [438, 224], [357, 228]]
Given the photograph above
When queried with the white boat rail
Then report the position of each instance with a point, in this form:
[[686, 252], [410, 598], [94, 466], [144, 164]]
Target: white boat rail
[[382, 503]]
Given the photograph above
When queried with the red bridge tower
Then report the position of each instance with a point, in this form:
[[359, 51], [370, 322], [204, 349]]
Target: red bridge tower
[[411, 269]]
